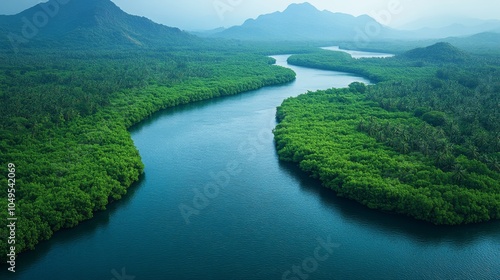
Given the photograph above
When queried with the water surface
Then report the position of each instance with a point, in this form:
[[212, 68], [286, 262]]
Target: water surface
[[265, 217], [359, 54]]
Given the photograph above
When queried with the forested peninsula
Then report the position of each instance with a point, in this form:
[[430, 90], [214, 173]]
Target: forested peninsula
[[423, 142], [65, 114]]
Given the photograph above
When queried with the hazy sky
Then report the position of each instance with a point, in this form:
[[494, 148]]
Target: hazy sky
[[208, 14]]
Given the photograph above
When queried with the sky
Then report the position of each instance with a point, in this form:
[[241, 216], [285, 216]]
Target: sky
[[210, 14]]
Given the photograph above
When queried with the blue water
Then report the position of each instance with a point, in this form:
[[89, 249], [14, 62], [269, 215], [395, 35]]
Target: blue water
[[246, 215], [359, 54]]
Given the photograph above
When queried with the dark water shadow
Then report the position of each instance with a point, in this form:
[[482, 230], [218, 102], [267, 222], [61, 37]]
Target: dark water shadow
[[64, 237], [417, 231], [68, 236]]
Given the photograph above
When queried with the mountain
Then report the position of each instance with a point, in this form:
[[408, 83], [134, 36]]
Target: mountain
[[207, 33], [85, 23], [439, 52], [455, 30], [449, 26], [436, 22], [300, 22], [486, 42]]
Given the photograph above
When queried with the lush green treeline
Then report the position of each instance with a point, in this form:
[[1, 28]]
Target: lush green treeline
[[463, 113], [374, 69], [427, 146], [484, 44], [64, 120], [261, 47]]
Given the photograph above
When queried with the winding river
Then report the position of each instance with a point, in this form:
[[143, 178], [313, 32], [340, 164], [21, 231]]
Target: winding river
[[215, 203]]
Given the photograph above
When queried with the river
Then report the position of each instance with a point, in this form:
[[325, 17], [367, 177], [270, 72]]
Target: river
[[216, 203], [359, 54]]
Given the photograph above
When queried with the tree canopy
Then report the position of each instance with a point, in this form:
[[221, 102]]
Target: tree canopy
[[64, 119], [424, 142]]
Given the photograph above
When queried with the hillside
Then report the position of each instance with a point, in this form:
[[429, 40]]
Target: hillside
[[480, 44], [301, 22], [439, 52], [85, 23], [438, 27], [485, 43]]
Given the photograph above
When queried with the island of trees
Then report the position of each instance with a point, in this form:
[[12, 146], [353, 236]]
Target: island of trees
[[423, 142]]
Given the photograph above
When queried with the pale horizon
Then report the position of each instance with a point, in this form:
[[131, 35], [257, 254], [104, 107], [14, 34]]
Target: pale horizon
[[210, 14]]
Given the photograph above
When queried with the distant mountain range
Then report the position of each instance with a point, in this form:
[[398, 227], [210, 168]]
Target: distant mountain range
[[300, 22], [456, 30], [437, 22], [100, 23], [83, 23], [487, 42]]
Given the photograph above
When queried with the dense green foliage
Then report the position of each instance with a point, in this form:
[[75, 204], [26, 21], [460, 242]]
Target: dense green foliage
[[483, 43], [427, 145], [64, 120], [440, 52], [375, 69]]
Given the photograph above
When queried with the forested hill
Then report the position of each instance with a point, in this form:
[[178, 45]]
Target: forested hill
[[416, 63], [84, 24], [440, 52], [424, 142]]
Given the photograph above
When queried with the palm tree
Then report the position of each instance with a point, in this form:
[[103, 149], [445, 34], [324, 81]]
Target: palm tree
[[459, 174], [493, 163]]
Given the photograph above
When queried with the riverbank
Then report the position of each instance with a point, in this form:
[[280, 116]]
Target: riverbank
[[404, 145], [73, 164], [261, 222]]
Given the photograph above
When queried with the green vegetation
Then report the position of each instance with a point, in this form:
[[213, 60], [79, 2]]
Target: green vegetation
[[484, 44], [375, 69], [425, 142], [440, 52], [64, 119]]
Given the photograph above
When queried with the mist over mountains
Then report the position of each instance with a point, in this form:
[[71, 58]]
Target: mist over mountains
[[435, 28], [91, 22], [446, 21], [100, 23], [301, 22]]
